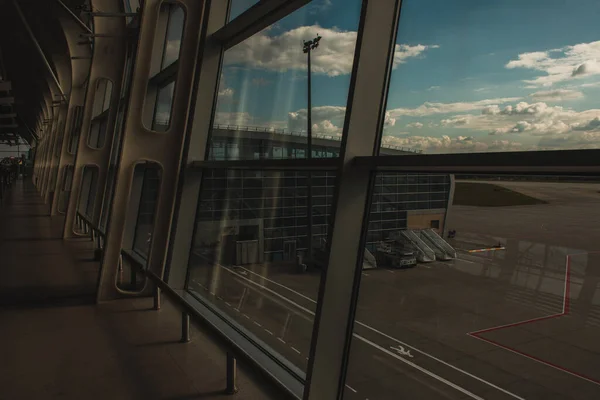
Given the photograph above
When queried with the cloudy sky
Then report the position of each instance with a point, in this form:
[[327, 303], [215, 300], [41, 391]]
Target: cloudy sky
[[471, 76]]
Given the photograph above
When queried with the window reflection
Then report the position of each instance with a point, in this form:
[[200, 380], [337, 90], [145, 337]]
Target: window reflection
[[163, 108], [458, 85], [174, 34], [484, 296], [239, 6], [252, 229], [87, 195], [262, 105], [151, 175]]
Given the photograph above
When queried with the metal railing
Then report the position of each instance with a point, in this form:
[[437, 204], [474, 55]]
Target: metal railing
[[89, 228], [183, 301], [286, 132]]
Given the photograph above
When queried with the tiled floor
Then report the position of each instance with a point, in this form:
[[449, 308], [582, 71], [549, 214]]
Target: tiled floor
[[56, 343]]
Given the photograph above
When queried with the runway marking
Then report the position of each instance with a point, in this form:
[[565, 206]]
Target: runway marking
[[372, 329], [351, 388], [246, 316], [281, 340], [423, 370], [400, 350], [295, 349], [229, 304], [268, 331], [256, 323], [566, 308], [486, 249]]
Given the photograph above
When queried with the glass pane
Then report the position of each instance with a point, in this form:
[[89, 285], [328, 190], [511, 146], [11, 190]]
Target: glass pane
[[147, 208], [250, 254], [489, 76], [239, 6], [162, 109], [173, 36], [492, 295], [263, 95], [75, 129], [87, 195], [102, 96]]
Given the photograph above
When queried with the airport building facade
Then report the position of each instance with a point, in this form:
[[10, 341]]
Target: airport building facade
[[269, 208]]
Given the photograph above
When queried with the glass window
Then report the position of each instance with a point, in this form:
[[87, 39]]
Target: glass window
[[89, 188], [239, 6], [261, 250], [263, 89], [174, 34], [463, 82], [147, 207], [76, 122], [484, 297], [163, 108], [101, 110]]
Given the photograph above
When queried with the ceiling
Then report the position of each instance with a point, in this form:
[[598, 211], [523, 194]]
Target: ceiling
[[28, 84]]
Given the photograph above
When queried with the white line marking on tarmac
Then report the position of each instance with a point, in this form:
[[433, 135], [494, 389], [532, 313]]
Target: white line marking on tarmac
[[229, 304], [423, 370], [390, 271], [382, 334], [295, 349], [365, 274], [256, 323], [246, 316], [351, 388], [268, 331], [281, 340]]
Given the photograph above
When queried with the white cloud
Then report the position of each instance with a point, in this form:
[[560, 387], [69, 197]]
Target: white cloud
[[561, 64], [457, 120], [227, 92], [416, 125], [447, 108], [433, 88], [445, 144], [591, 84], [283, 52], [556, 95], [389, 120], [297, 120]]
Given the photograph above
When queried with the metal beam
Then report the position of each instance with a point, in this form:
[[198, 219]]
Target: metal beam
[[556, 161], [255, 19], [111, 14], [39, 49], [75, 17]]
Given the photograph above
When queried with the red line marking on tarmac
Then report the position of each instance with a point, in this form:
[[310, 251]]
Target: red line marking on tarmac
[[565, 311]]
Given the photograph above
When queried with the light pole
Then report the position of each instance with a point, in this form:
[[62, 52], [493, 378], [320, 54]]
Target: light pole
[[308, 47]]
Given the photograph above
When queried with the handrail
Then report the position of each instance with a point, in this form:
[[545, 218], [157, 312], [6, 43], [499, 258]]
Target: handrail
[[283, 131], [97, 235], [182, 300]]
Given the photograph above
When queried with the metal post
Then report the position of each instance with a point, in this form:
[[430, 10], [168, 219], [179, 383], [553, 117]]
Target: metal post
[[157, 298], [231, 374], [185, 327]]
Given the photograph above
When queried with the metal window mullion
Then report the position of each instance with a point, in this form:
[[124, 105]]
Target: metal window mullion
[[332, 332], [255, 19], [198, 131]]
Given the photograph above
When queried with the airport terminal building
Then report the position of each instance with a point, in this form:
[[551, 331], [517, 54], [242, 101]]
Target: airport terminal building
[[270, 207]]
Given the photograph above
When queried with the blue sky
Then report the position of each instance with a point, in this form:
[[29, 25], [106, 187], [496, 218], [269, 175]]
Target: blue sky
[[469, 75]]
